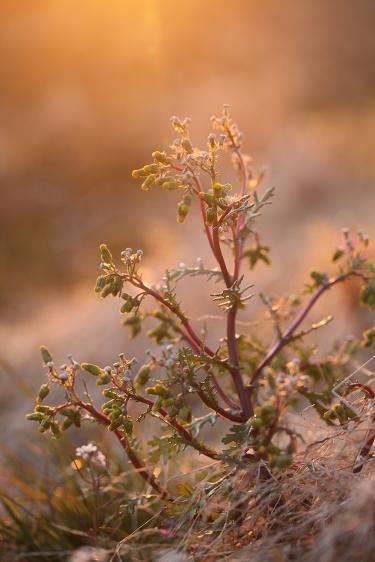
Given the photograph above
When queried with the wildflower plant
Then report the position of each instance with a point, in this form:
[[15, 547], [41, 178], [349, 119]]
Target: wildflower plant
[[243, 380]]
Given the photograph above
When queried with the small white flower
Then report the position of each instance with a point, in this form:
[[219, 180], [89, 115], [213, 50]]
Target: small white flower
[[91, 453]]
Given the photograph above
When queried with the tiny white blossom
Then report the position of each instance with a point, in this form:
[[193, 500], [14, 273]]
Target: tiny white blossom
[[91, 453]]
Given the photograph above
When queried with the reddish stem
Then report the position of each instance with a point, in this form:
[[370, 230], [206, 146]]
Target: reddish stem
[[279, 345], [191, 336], [243, 394], [180, 428], [220, 391], [134, 459], [220, 258]]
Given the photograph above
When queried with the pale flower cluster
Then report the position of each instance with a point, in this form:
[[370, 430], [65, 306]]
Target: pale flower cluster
[[91, 453]]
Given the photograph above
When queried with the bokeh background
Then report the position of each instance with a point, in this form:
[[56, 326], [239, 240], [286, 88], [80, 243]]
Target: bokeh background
[[87, 89]]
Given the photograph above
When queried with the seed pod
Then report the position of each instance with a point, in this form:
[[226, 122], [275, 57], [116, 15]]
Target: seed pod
[[92, 369], [187, 199], [105, 254], [68, 413], [43, 392], [117, 286], [211, 216], [160, 157], [100, 283], [45, 424], [161, 390], [128, 305], [35, 416], [66, 424], [55, 428], [140, 173], [108, 290], [207, 198], [115, 424], [114, 414], [109, 393], [46, 356], [182, 212], [149, 181], [127, 425], [43, 409], [143, 376], [151, 168], [217, 188], [169, 185]]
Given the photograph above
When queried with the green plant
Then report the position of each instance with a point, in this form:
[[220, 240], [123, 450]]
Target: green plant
[[48, 511], [241, 380]]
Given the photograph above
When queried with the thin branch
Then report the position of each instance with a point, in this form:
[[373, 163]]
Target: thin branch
[[243, 394], [176, 425], [133, 457], [285, 339]]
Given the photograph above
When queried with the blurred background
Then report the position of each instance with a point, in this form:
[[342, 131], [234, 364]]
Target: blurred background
[[87, 89]]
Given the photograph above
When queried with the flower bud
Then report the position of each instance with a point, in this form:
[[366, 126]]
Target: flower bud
[[100, 283], [109, 393], [151, 168], [105, 254], [128, 305], [160, 157], [46, 356], [35, 416], [207, 198], [127, 425], [92, 369], [217, 188], [149, 181], [43, 392], [182, 212], [143, 376], [115, 424], [140, 173], [169, 183], [67, 423]]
